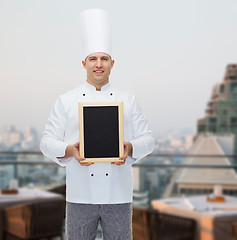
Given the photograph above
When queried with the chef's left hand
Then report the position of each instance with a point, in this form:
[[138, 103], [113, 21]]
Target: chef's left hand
[[127, 151]]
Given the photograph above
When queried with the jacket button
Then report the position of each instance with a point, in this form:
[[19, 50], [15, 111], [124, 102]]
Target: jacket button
[[107, 174], [84, 94], [92, 174], [111, 94]]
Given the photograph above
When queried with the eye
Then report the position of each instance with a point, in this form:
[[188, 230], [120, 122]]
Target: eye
[[104, 59], [92, 59]]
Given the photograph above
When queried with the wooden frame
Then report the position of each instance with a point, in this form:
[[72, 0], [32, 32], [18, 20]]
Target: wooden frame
[[101, 125]]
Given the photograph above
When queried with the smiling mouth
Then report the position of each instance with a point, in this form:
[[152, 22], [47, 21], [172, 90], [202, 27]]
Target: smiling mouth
[[98, 71]]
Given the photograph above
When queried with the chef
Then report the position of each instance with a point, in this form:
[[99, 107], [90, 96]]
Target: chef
[[96, 192]]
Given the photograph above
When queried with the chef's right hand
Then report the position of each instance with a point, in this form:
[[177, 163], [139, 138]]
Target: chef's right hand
[[73, 151]]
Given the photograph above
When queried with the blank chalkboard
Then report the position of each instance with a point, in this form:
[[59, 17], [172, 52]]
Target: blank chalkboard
[[101, 131]]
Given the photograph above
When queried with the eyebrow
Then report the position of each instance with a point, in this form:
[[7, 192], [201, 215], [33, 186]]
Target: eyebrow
[[91, 57]]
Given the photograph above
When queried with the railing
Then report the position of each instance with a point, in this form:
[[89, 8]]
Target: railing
[[156, 176], [30, 168]]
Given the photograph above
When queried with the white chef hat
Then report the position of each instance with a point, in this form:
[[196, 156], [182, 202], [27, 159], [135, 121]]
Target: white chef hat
[[95, 32]]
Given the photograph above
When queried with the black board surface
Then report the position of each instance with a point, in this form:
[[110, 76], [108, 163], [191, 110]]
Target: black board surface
[[101, 131]]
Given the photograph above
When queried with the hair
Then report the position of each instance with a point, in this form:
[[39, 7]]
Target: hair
[[92, 53]]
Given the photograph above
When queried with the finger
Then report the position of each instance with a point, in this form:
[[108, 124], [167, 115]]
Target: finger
[[119, 163], [82, 160], [76, 145], [76, 155], [79, 158], [124, 157], [125, 144], [86, 164]]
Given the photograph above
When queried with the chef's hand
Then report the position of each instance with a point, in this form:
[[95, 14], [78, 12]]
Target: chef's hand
[[128, 149], [73, 151]]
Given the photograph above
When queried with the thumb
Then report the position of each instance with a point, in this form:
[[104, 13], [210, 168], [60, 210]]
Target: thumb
[[76, 145]]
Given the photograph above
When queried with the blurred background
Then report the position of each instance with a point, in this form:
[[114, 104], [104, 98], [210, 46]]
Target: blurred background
[[178, 57], [170, 54]]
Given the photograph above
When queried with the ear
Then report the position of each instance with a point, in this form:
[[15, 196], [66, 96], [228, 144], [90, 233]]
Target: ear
[[83, 63], [112, 63]]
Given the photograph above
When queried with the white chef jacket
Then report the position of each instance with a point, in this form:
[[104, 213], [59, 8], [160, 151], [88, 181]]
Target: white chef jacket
[[99, 183]]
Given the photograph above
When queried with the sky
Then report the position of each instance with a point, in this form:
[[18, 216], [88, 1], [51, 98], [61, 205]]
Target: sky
[[168, 53]]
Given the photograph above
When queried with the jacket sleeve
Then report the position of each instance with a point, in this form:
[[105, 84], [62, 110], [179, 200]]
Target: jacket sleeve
[[52, 144], [143, 140]]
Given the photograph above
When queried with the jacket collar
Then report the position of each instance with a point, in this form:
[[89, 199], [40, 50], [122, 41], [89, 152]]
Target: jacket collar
[[92, 88]]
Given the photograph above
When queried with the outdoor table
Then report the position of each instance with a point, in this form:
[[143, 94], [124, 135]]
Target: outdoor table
[[25, 195], [213, 218]]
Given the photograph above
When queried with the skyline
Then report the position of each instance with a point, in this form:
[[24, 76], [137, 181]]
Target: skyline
[[12, 139], [169, 54]]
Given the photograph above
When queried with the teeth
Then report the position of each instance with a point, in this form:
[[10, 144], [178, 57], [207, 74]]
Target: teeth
[[98, 71]]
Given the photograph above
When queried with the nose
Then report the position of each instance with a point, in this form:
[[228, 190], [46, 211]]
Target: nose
[[98, 63]]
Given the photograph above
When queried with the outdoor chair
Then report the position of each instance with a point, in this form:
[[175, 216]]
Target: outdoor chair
[[149, 224], [35, 220], [234, 231], [140, 223]]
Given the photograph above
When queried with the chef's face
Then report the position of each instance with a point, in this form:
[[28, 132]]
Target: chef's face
[[98, 66]]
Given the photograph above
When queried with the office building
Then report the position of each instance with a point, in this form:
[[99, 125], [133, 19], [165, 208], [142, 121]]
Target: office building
[[221, 111]]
